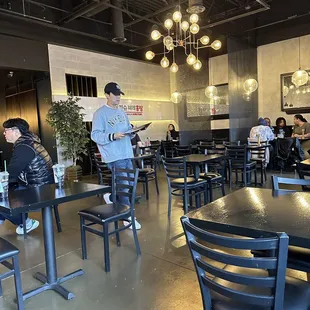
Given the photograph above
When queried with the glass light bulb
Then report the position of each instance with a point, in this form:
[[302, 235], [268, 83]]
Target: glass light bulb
[[149, 55], [185, 25], [216, 45], [193, 18], [194, 28], [250, 85], [205, 40], [177, 16], [164, 62], [285, 91], [174, 68], [155, 34], [292, 86], [191, 58], [297, 91], [300, 78], [168, 40], [197, 64], [170, 47], [168, 23], [176, 97], [211, 91]]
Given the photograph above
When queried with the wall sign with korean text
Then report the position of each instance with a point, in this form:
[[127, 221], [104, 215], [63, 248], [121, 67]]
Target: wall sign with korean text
[[132, 109]]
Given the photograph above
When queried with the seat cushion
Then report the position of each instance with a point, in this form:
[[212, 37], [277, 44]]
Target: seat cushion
[[211, 176], [181, 180], [296, 295], [7, 249], [101, 213]]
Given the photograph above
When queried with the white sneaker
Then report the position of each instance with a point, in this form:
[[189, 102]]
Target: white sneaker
[[106, 198], [138, 225], [31, 225], [2, 222]]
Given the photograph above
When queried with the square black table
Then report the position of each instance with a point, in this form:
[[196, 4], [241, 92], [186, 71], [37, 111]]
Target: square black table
[[44, 197], [250, 211], [197, 160]]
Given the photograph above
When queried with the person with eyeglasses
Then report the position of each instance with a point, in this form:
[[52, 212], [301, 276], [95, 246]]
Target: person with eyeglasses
[[30, 166]]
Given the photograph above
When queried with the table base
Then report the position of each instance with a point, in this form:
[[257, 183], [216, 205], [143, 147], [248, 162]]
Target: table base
[[57, 287]]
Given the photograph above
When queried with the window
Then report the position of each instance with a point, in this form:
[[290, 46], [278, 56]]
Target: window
[[78, 85]]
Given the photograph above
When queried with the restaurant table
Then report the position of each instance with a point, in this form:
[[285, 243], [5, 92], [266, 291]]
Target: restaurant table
[[44, 197], [306, 162], [141, 158], [197, 160], [250, 211]]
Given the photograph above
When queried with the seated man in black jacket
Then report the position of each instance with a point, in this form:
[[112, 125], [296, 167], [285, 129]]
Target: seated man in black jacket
[[30, 165]]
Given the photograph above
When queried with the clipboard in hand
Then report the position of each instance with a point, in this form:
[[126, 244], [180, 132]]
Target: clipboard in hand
[[137, 129]]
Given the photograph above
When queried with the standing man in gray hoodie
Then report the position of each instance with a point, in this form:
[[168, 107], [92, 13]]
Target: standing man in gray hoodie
[[108, 128]]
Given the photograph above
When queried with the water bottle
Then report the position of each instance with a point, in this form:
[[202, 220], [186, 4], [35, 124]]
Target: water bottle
[[148, 141]]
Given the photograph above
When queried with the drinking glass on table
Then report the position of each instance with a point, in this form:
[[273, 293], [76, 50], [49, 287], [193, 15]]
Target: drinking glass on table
[[59, 174], [4, 186]]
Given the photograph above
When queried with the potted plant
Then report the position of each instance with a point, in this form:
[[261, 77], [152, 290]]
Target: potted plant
[[66, 119]]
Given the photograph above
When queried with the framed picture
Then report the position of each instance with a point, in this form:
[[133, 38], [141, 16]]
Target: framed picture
[[294, 99], [199, 106]]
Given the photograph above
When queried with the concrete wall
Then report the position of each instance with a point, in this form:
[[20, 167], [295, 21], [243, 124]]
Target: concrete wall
[[273, 60]]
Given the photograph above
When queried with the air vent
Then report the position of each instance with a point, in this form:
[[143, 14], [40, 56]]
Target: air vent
[[195, 6], [79, 85]]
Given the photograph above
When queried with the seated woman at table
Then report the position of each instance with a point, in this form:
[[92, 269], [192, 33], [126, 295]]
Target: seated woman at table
[[301, 130], [262, 130], [281, 128], [267, 119], [30, 165], [172, 134]]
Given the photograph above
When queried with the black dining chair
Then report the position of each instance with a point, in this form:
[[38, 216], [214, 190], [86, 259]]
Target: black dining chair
[[180, 184], [168, 148], [239, 162], [103, 172], [303, 170], [147, 174], [245, 283], [259, 156], [8, 252], [298, 258], [183, 150], [292, 184], [124, 183]]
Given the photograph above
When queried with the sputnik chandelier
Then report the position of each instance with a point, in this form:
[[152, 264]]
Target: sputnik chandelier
[[182, 33]]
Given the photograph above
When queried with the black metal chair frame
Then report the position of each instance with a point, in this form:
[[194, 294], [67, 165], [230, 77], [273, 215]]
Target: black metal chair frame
[[183, 150], [259, 156], [274, 244], [87, 221], [239, 161], [14, 269], [276, 181], [168, 148], [176, 168], [103, 172], [147, 175]]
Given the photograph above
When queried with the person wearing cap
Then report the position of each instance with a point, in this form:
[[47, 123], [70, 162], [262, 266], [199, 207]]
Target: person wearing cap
[[108, 130], [30, 165]]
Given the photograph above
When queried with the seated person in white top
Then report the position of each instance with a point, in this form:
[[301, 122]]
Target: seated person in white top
[[263, 130]]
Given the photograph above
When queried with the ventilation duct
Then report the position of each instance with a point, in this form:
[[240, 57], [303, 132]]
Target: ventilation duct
[[195, 6], [117, 23]]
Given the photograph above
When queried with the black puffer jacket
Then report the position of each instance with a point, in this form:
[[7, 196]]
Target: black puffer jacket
[[39, 171]]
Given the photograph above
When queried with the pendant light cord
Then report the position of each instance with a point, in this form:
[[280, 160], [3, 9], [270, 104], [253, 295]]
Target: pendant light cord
[[299, 54]]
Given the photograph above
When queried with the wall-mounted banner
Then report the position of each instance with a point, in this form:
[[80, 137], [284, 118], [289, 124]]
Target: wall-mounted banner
[[132, 109]]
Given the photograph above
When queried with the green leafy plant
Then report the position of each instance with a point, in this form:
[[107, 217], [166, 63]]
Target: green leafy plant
[[66, 119]]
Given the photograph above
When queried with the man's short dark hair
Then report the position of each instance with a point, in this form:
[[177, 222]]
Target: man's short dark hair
[[19, 123]]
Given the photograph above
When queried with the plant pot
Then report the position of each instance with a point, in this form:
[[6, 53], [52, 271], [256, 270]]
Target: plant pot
[[74, 173]]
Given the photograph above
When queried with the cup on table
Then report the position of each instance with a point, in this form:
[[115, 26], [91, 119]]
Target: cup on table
[[59, 174], [4, 185]]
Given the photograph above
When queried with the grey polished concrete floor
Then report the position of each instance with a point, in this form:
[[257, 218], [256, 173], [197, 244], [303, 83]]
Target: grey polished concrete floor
[[162, 278]]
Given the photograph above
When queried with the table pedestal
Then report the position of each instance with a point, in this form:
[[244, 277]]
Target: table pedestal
[[50, 281]]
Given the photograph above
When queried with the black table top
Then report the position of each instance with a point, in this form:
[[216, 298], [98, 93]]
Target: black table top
[[201, 158], [252, 210], [143, 156], [47, 195]]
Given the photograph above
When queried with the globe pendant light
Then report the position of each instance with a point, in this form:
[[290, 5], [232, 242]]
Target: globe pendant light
[[174, 68], [191, 58], [211, 91], [176, 97], [250, 85], [164, 62], [300, 77]]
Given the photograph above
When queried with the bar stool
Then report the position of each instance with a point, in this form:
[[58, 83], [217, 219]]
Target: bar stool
[[9, 251]]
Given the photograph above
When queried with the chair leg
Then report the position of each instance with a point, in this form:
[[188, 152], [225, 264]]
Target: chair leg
[[83, 238], [210, 191], [135, 236], [255, 176], [262, 174], [106, 247], [206, 194], [57, 218], [169, 202], [223, 187], [185, 201], [230, 181], [156, 183], [146, 188], [18, 283], [1, 291], [265, 173], [24, 225], [118, 240], [308, 277]]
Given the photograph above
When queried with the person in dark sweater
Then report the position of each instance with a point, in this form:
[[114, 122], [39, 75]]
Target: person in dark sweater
[[30, 165]]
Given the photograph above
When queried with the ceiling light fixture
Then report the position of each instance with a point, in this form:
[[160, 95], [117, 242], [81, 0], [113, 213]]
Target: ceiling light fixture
[[182, 34], [300, 77], [195, 6]]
